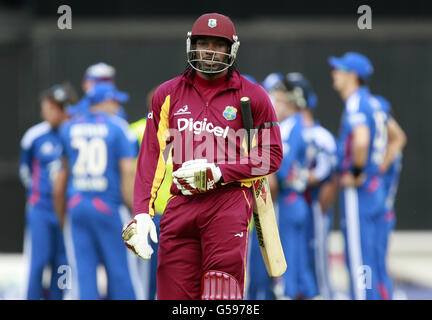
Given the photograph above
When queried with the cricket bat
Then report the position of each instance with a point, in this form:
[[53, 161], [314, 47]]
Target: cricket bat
[[263, 212]]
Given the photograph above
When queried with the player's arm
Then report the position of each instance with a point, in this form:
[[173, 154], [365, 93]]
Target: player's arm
[[328, 192], [151, 162], [360, 146], [127, 172], [292, 139], [198, 175], [59, 191], [150, 171], [25, 166], [397, 140], [274, 187], [135, 233], [359, 152], [322, 169], [126, 151], [264, 158], [266, 152]]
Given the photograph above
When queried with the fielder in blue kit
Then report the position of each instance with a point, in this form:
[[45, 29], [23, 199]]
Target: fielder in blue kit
[[298, 280], [362, 145], [322, 185], [388, 221], [40, 162], [293, 210], [96, 73], [317, 175], [290, 95], [99, 154], [261, 286], [390, 178]]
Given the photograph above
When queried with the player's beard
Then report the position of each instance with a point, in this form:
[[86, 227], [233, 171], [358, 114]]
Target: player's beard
[[209, 65], [212, 64]]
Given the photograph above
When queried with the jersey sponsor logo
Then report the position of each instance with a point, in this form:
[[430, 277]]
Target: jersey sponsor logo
[[183, 110], [198, 127], [212, 23], [230, 113], [240, 235]]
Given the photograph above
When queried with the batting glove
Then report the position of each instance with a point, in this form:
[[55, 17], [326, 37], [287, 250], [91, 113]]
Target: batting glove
[[135, 235], [197, 176]]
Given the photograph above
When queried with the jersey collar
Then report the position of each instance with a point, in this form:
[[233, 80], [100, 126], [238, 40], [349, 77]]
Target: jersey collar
[[233, 82], [360, 91]]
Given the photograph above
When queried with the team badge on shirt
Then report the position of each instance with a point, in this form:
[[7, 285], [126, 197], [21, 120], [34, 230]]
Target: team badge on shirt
[[212, 23], [230, 113], [47, 148]]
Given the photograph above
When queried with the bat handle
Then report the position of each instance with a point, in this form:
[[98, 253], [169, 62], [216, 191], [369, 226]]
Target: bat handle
[[247, 119]]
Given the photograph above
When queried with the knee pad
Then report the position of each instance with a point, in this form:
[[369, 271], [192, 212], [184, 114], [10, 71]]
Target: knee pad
[[219, 285]]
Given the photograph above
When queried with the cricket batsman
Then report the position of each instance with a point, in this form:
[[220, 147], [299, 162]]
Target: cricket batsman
[[148, 267], [94, 74], [204, 228]]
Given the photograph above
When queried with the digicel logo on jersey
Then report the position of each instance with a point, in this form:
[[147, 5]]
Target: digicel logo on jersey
[[199, 126]]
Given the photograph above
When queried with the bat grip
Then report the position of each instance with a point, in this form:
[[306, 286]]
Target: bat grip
[[247, 119]]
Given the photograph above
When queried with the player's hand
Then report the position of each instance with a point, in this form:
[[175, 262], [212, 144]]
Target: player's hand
[[298, 180], [348, 180], [197, 176], [135, 235], [383, 168]]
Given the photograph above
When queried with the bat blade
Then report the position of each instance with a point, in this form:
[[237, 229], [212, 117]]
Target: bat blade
[[267, 229], [264, 216]]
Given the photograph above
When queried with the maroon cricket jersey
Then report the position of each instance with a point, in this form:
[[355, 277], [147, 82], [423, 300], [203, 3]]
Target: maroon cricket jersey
[[199, 118]]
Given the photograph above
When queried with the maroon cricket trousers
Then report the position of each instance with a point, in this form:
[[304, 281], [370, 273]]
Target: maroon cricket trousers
[[208, 231]]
